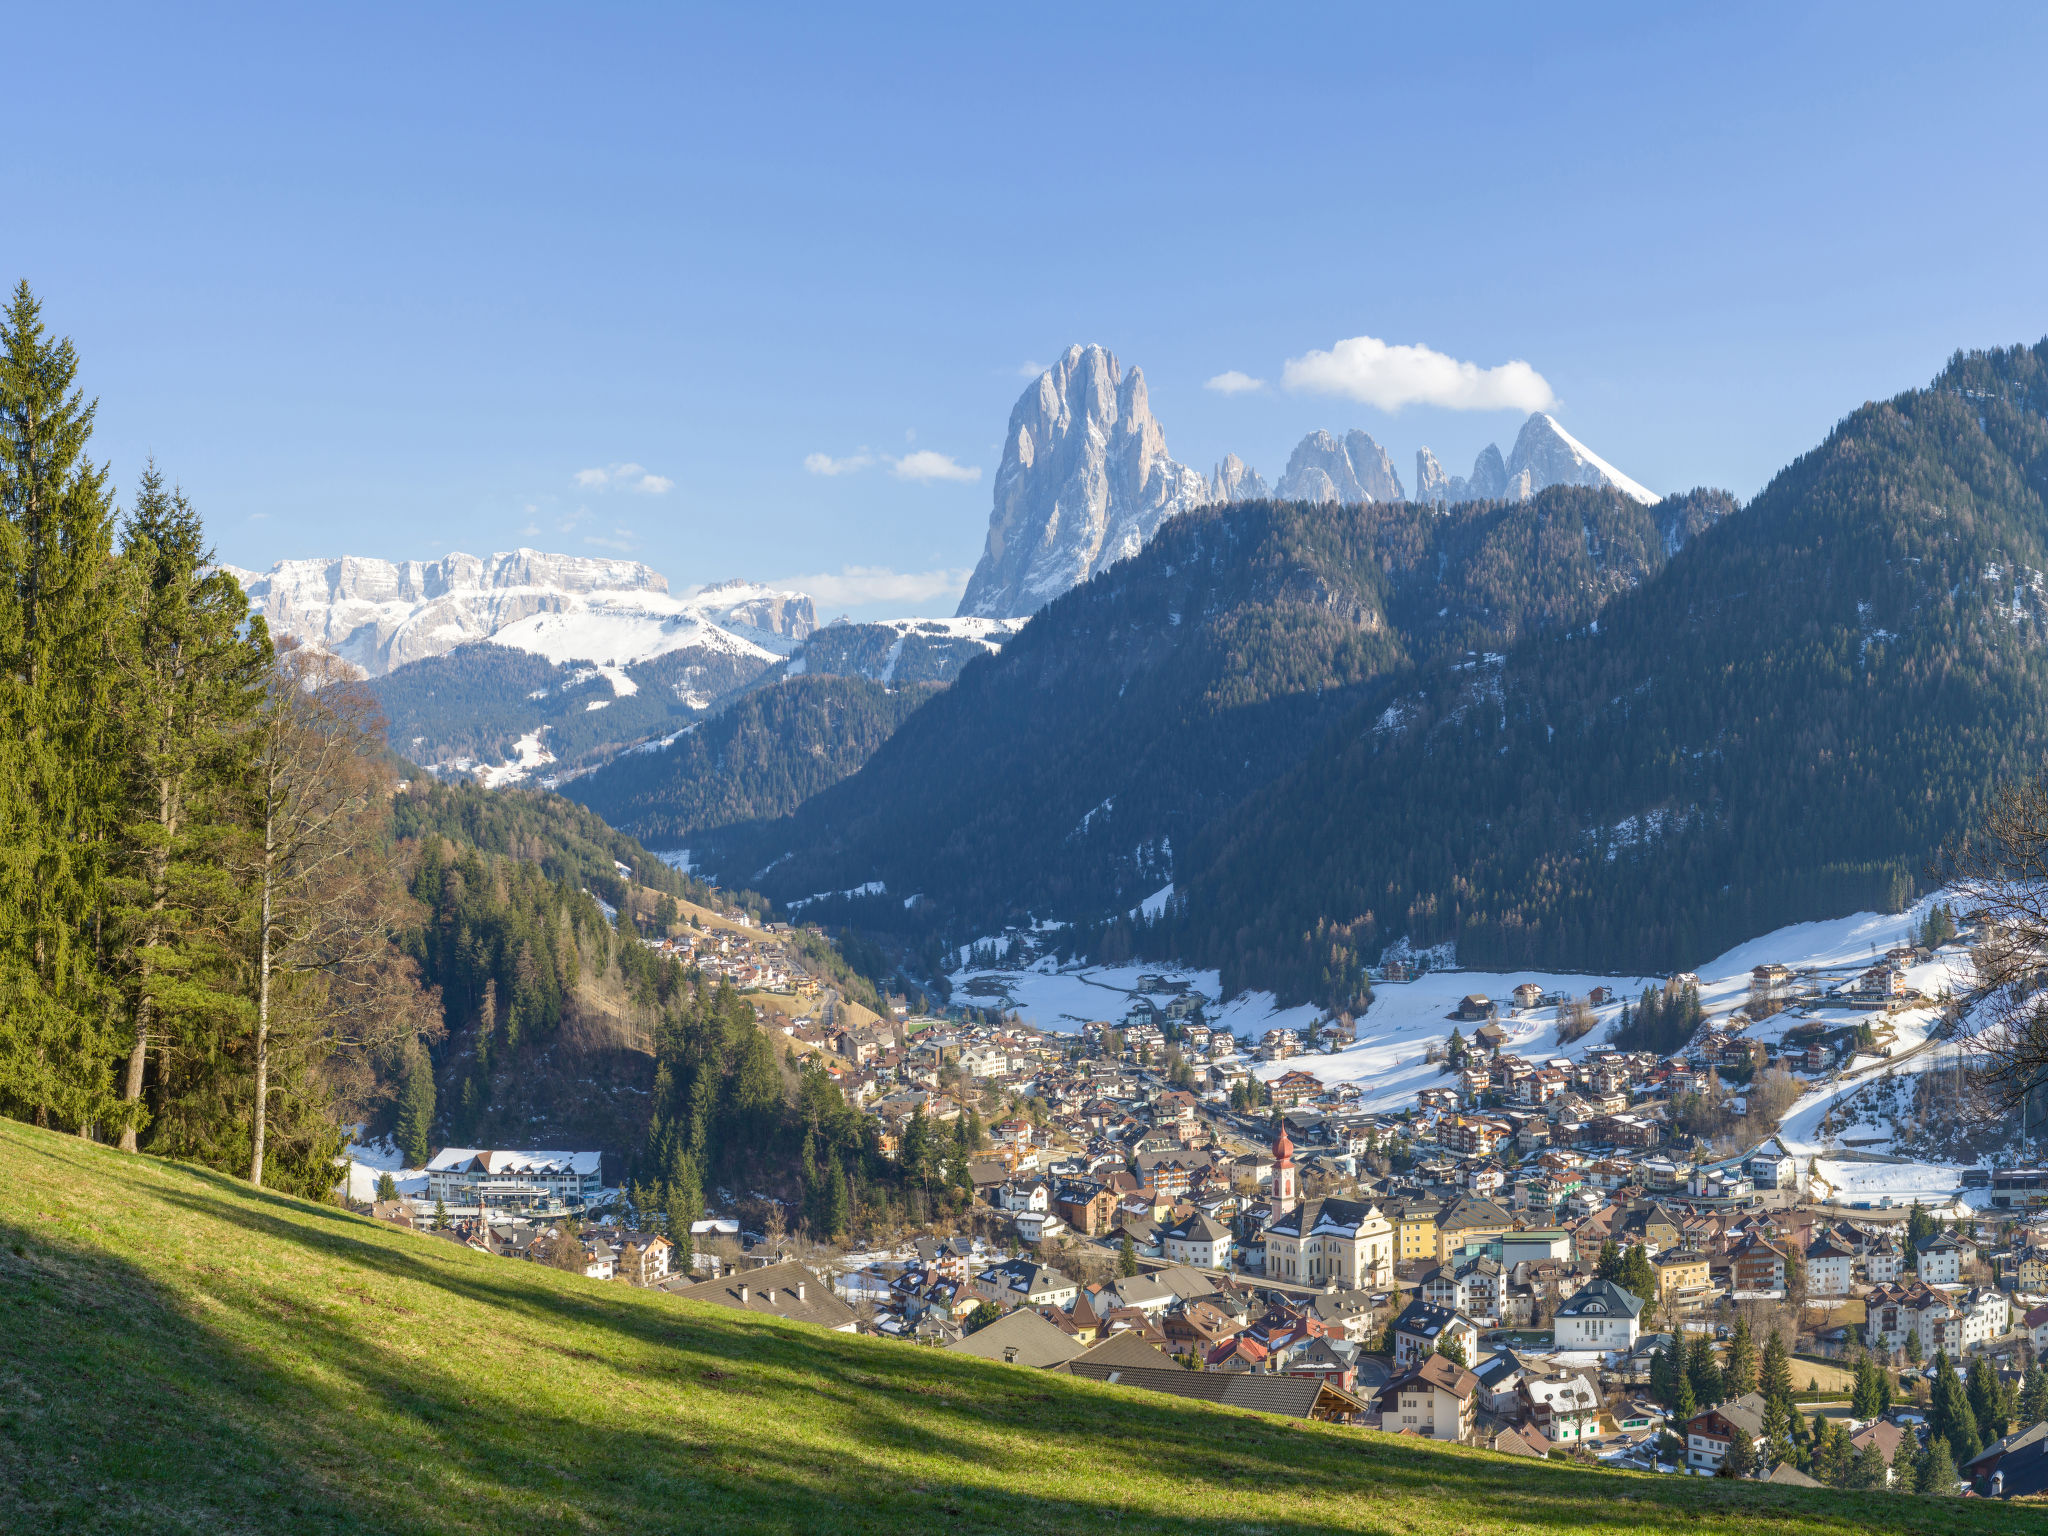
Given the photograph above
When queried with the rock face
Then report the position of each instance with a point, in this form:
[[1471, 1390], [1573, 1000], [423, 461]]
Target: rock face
[[1431, 483], [1355, 469], [1236, 480], [1085, 481], [381, 614], [1545, 455]]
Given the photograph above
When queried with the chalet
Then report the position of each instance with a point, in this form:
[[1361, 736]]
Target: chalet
[[1476, 1006], [1026, 1283], [785, 1290], [1757, 1267], [1436, 1398], [1709, 1434], [1421, 1329], [1563, 1407], [1528, 995], [1290, 1090]]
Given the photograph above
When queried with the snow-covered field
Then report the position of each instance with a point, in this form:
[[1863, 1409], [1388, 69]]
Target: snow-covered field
[[1386, 1061], [365, 1162]]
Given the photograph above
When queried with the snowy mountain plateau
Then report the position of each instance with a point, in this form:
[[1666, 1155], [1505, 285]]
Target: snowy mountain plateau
[[382, 614], [1086, 480]]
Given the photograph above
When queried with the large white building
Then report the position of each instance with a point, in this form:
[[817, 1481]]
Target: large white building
[[1599, 1315], [513, 1181]]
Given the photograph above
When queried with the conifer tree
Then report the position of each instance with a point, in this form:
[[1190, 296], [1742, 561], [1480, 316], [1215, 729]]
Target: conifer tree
[[416, 1111], [1866, 1402], [1740, 1459], [2034, 1396], [1987, 1400], [1936, 1471], [1127, 1257], [1866, 1467], [1739, 1374], [1663, 1377], [683, 1206], [1703, 1372], [58, 780], [1948, 1415], [189, 682], [1775, 1373]]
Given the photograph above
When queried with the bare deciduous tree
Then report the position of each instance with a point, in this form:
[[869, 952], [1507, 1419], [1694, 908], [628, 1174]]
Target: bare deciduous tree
[[1999, 873], [327, 980]]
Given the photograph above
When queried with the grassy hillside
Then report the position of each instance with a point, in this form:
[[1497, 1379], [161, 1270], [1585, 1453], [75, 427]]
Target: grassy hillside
[[182, 1354]]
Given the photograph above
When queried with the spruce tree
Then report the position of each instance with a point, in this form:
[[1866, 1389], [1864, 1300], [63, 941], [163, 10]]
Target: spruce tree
[[2034, 1396], [1740, 1460], [1987, 1400], [1703, 1372], [416, 1111], [1775, 1373], [1948, 1414], [189, 678], [59, 779], [1867, 1468], [1127, 1257], [1663, 1377], [1739, 1375], [1866, 1402], [1936, 1471]]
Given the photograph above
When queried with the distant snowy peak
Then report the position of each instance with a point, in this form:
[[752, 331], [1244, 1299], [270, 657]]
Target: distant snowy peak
[[1350, 469], [1544, 455], [1085, 481], [381, 614]]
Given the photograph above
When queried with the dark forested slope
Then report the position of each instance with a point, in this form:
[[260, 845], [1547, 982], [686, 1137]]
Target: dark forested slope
[[762, 756], [1065, 775], [1783, 725]]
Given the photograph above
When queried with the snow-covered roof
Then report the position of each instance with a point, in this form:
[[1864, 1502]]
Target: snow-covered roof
[[451, 1159]]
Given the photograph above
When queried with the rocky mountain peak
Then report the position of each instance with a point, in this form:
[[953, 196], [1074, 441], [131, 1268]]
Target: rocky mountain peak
[[1236, 480], [1351, 469], [1085, 481], [1544, 455]]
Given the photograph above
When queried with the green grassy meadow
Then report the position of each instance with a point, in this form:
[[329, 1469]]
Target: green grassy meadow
[[180, 1353]]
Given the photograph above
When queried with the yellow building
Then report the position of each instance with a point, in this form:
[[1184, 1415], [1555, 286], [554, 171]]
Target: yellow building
[[1414, 1223], [1681, 1276], [1469, 1221]]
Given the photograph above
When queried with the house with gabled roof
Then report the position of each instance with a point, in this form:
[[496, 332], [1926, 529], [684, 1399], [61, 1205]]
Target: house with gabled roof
[[1600, 1315]]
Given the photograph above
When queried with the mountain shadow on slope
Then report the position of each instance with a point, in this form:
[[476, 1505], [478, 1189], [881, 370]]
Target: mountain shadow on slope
[[1783, 725], [759, 758], [1064, 776]]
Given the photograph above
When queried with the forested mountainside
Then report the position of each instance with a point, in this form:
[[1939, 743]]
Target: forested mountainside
[[760, 757], [469, 708], [1065, 775], [1783, 725], [472, 705], [562, 1028]]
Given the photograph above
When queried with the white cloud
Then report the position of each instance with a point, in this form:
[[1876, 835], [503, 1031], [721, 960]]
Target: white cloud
[[623, 540], [924, 464], [825, 464], [1368, 370], [1029, 370], [1234, 383], [855, 586], [927, 465], [624, 477]]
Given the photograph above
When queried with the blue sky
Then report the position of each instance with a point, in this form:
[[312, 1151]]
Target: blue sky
[[398, 281]]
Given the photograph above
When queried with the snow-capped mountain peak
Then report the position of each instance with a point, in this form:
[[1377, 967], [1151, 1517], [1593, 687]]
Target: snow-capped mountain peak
[[381, 614]]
